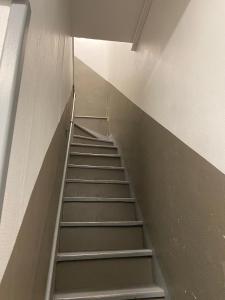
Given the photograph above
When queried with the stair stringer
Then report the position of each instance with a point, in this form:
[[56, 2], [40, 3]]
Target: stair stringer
[[157, 272]]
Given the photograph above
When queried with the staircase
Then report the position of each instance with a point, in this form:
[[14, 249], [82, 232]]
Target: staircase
[[101, 252]]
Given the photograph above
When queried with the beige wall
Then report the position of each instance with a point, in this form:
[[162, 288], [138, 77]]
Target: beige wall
[[177, 74], [4, 14], [45, 89]]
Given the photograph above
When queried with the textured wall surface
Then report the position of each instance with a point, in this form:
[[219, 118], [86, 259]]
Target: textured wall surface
[[45, 89], [4, 14], [181, 196], [26, 274]]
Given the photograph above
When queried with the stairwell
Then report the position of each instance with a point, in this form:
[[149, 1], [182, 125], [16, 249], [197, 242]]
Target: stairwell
[[102, 251]]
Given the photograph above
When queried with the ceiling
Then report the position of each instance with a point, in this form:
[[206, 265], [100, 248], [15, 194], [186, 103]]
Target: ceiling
[[115, 20]]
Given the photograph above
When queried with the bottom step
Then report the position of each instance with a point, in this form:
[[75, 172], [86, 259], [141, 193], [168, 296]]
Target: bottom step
[[152, 293], [113, 273]]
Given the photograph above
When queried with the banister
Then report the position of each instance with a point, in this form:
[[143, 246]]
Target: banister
[[11, 64]]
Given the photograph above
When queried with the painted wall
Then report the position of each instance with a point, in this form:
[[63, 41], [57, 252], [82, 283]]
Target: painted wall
[[181, 195], [177, 74], [45, 90], [4, 14]]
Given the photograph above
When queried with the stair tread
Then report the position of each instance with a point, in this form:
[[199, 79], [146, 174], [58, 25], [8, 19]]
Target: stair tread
[[136, 293], [97, 181], [91, 117], [94, 154], [105, 224], [97, 199], [92, 138], [93, 145], [95, 167], [87, 255]]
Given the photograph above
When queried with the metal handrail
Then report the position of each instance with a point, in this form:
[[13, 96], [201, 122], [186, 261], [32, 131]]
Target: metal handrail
[[51, 271], [10, 77]]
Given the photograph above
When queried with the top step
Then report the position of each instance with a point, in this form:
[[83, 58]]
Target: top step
[[99, 125]]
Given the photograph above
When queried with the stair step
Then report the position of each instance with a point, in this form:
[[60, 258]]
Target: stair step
[[102, 224], [88, 140], [94, 154], [93, 146], [100, 238], [98, 125], [78, 130], [152, 292], [92, 159], [95, 172], [98, 211], [97, 188], [95, 181], [96, 167], [91, 117], [103, 254], [114, 273], [96, 149], [98, 199]]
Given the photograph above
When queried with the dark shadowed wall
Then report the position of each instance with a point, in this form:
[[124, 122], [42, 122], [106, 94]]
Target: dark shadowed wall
[[26, 274]]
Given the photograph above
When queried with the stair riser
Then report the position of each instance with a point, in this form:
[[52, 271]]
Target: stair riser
[[98, 212], [92, 275], [115, 298], [95, 150], [95, 161], [97, 190], [100, 238], [85, 173], [97, 125], [92, 142]]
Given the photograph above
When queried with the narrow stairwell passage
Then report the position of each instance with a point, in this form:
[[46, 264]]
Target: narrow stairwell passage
[[101, 252]]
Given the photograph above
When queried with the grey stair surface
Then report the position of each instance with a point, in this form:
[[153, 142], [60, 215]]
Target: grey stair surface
[[89, 140], [98, 211], [92, 159], [98, 199], [68, 256], [114, 273], [95, 172], [86, 148], [100, 238], [80, 131], [88, 132], [151, 292], [98, 189], [102, 251], [98, 124]]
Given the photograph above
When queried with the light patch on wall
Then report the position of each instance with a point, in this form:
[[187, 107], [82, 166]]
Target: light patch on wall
[[4, 15], [100, 58]]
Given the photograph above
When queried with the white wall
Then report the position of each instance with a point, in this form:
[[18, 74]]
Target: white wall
[[177, 76], [4, 14], [45, 89]]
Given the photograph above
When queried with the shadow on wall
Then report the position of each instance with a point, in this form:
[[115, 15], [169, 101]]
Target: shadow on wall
[[26, 274], [162, 21], [92, 93]]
